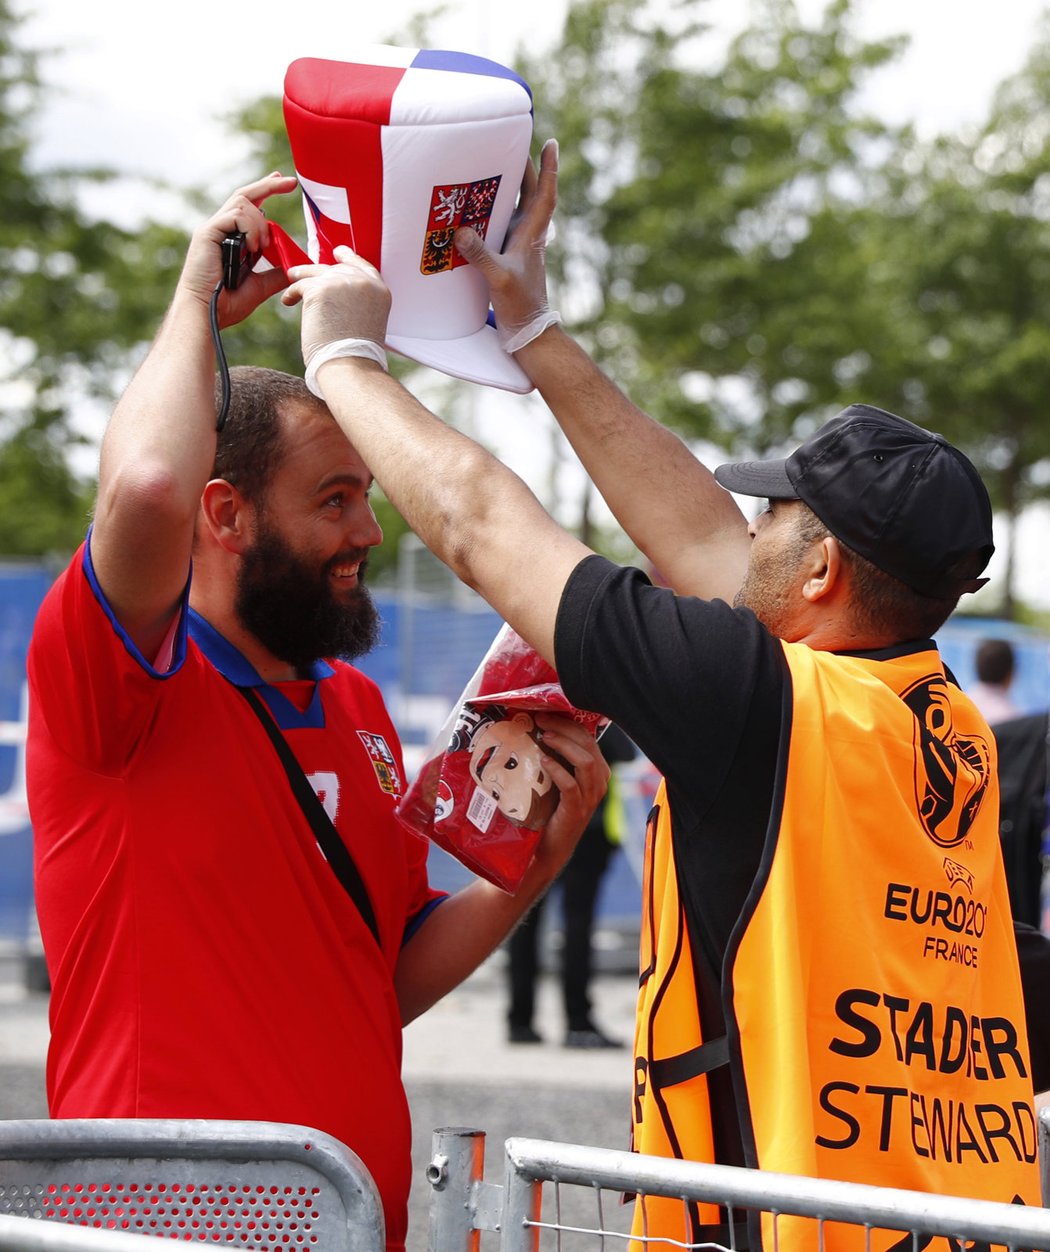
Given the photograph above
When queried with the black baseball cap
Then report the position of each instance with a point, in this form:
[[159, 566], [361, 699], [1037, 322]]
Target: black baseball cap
[[902, 497]]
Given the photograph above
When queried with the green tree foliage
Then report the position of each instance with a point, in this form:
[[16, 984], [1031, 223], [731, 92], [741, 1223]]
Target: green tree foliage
[[74, 296], [724, 286], [965, 240], [737, 243], [747, 252], [79, 301]]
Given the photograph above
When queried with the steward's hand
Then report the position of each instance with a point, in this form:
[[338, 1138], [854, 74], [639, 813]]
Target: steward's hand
[[202, 269], [517, 277], [345, 301]]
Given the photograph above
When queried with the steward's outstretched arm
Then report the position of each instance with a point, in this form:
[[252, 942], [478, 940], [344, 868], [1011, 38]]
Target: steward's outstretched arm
[[663, 497]]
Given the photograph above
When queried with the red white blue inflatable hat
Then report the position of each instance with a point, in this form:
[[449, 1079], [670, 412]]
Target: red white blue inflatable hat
[[394, 150]]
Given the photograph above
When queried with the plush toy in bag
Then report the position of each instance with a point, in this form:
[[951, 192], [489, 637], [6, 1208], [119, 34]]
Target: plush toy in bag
[[483, 793], [395, 149]]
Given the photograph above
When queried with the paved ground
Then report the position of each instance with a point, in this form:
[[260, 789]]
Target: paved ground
[[459, 1069]]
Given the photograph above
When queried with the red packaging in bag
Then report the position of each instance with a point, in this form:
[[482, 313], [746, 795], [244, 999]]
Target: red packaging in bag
[[482, 793]]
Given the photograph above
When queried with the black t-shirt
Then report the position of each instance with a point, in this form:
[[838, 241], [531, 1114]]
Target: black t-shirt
[[699, 686]]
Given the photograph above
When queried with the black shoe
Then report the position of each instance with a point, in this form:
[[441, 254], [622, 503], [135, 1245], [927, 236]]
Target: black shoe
[[592, 1037], [523, 1034]]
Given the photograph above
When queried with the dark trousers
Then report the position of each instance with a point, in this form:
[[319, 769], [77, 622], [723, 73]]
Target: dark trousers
[[577, 886]]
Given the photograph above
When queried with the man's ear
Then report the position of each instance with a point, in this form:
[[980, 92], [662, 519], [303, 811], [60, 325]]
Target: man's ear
[[228, 517], [825, 571]]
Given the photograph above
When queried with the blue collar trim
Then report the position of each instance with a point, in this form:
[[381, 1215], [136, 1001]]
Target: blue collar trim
[[237, 669]]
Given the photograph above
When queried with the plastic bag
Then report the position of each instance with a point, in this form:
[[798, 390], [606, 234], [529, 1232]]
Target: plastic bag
[[482, 794]]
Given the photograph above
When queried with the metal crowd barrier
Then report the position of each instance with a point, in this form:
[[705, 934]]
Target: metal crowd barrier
[[245, 1185], [567, 1196], [17, 1235]]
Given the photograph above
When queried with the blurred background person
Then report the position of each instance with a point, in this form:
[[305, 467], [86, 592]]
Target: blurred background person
[[1021, 744], [995, 662]]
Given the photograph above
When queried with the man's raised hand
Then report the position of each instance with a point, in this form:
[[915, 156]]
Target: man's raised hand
[[517, 276], [202, 269]]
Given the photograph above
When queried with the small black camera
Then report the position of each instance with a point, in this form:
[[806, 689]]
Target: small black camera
[[236, 262]]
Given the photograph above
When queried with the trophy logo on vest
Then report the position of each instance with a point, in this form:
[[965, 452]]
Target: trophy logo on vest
[[952, 770]]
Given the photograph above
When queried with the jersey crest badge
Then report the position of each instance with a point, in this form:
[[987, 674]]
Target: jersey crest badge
[[383, 762]]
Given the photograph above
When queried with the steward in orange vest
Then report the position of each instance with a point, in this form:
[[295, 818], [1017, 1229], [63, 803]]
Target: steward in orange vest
[[829, 976], [875, 1025]]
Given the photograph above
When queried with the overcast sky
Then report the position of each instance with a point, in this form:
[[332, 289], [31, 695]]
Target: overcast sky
[[142, 86]]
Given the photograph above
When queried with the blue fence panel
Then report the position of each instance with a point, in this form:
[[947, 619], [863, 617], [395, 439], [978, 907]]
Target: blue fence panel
[[958, 640], [428, 649], [22, 587]]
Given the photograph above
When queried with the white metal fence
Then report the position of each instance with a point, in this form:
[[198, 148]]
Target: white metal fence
[[568, 1198], [191, 1181]]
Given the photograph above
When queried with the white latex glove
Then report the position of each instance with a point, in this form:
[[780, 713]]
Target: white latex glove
[[517, 276], [345, 309]]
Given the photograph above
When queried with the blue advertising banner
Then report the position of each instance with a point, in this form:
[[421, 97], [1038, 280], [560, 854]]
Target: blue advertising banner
[[22, 587]]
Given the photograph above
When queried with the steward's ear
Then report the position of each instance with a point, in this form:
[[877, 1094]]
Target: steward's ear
[[825, 572], [227, 516]]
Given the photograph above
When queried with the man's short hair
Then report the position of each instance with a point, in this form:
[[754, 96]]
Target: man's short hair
[[994, 661], [249, 446], [881, 604]]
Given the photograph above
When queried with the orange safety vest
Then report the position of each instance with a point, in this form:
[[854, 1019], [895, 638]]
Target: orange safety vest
[[871, 989]]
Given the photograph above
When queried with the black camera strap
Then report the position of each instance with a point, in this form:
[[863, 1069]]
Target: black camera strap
[[335, 850]]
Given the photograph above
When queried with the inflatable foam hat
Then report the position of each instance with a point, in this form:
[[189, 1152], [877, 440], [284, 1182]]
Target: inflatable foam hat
[[396, 149]]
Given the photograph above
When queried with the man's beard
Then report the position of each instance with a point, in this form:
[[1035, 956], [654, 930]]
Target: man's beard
[[290, 608], [770, 590], [767, 599]]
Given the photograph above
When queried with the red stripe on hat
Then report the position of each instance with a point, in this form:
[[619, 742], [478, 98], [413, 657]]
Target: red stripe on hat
[[342, 89], [282, 251], [334, 113]]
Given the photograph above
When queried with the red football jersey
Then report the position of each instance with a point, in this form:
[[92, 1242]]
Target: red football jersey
[[205, 960]]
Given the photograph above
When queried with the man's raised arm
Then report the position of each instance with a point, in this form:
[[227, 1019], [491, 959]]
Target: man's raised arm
[[663, 497], [159, 446]]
